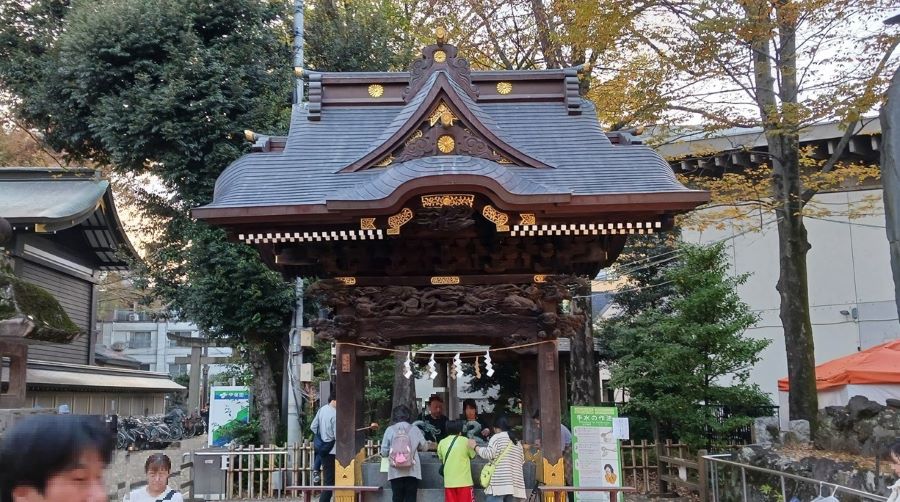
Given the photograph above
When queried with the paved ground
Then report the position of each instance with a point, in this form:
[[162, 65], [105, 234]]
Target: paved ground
[[130, 468]]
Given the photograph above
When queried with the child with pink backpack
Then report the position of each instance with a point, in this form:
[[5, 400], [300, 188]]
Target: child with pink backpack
[[401, 444]]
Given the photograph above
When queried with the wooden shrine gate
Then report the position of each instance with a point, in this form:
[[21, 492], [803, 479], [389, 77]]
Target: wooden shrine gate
[[443, 205]]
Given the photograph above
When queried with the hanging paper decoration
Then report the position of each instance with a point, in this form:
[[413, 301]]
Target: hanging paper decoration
[[489, 368], [432, 368], [457, 364], [477, 368], [407, 366]]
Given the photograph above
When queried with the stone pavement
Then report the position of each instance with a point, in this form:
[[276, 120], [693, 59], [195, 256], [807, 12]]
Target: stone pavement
[[131, 470]]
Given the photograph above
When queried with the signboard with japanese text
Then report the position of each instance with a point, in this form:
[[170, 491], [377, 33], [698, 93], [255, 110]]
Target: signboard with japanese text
[[228, 408], [596, 456]]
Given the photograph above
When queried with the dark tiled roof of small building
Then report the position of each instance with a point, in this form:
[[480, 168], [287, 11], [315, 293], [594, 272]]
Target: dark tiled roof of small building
[[583, 160]]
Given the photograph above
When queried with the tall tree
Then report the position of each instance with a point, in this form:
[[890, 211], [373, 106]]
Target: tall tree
[[780, 66], [677, 360], [163, 89]]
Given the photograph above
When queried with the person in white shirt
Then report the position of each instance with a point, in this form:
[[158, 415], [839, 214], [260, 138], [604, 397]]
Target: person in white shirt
[[157, 467], [894, 458]]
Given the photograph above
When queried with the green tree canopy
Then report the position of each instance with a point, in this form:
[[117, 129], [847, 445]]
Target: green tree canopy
[[691, 356], [165, 89]]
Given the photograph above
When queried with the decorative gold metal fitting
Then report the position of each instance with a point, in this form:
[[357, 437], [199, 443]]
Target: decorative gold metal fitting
[[348, 281], [448, 200], [367, 223], [440, 34], [416, 135], [446, 143], [249, 135], [298, 72], [443, 115], [540, 278], [496, 217], [444, 280], [440, 56], [385, 161], [527, 219], [376, 90], [504, 87], [398, 220]]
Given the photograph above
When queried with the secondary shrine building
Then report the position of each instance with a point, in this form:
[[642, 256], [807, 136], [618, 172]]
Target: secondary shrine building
[[444, 205]]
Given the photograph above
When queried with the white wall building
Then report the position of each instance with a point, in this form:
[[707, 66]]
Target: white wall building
[[851, 292], [145, 339]]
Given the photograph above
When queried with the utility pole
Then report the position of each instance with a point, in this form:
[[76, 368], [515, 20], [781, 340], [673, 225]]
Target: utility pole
[[295, 363]]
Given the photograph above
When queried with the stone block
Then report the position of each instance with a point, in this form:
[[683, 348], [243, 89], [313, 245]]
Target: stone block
[[861, 407], [800, 428], [765, 430], [893, 403]]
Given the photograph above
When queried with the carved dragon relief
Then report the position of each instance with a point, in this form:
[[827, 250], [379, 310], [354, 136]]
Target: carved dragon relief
[[383, 303]]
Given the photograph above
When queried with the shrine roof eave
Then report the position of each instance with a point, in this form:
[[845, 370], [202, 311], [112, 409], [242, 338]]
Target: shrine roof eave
[[576, 206]]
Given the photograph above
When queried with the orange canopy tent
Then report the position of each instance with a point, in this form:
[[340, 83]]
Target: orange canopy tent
[[877, 365]]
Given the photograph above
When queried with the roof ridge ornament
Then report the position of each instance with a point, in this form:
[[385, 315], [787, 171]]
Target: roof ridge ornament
[[440, 56]]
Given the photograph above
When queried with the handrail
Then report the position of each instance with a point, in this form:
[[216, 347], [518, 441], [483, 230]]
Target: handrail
[[837, 487]]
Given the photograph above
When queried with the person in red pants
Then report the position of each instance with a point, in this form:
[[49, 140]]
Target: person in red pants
[[456, 455]]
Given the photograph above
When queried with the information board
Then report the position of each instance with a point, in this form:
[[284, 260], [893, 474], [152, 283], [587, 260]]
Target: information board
[[228, 407], [596, 456]]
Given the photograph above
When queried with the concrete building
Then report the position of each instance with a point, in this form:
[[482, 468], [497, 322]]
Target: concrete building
[[850, 285], [138, 336]]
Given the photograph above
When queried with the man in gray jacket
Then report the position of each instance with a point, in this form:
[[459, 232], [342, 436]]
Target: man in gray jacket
[[324, 427]]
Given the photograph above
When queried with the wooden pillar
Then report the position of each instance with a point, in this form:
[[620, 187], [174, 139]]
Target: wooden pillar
[[350, 371], [552, 468], [530, 397]]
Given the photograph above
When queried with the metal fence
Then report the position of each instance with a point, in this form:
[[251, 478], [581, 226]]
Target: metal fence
[[732, 481]]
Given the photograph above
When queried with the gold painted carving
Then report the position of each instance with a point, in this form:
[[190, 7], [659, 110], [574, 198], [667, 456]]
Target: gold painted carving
[[376, 90], [398, 220], [540, 278], [345, 476], [446, 144], [448, 200], [504, 87], [440, 56], [367, 223], [527, 219], [416, 135], [440, 34], [385, 161], [443, 115], [554, 474], [444, 280], [348, 281], [496, 217]]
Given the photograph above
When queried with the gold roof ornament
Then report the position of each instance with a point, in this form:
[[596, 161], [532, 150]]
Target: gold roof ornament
[[298, 72], [441, 35], [443, 115], [249, 135], [504, 87], [376, 90], [440, 56], [446, 143]]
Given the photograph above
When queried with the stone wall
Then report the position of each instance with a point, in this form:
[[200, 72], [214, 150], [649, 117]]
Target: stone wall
[[863, 427]]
